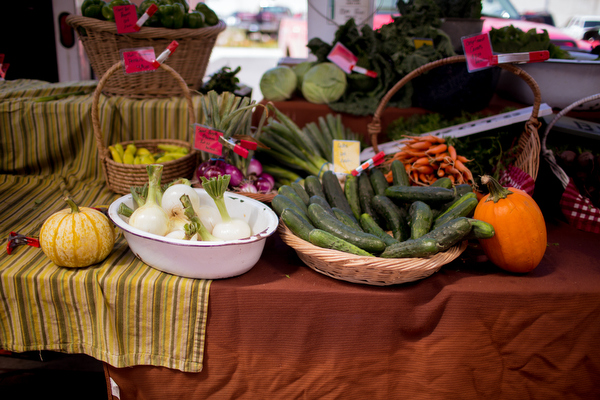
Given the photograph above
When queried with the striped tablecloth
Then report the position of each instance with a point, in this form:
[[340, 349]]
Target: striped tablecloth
[[120, 311]]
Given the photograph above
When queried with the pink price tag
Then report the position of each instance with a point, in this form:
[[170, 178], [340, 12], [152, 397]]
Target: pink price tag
[[342, 57], [207, 139], [126, 18], [478, 51], [138, 60]]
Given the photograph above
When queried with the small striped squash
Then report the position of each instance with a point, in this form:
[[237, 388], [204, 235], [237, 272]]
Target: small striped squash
[[77, 237]]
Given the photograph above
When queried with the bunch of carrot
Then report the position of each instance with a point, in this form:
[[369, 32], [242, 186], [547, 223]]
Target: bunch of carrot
[[427, 158]]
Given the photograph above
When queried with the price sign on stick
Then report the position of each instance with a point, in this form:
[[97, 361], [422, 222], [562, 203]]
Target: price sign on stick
[[207, 139], [125, 18], [138, 60], [346, 155], [478, 51]]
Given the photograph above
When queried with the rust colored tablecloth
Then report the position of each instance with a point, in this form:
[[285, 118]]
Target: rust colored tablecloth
[[470, 331]]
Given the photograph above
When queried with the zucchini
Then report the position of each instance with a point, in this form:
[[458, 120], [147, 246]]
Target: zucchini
[[421, 219], [334, 194], [378, 181], [394, 217], [369, 225], [399, 175], [324, 239], [281, 202], [351, 192], [412, 248], [463, 207], [365, 194], [443, 182], [300, 191], [427, 194], [323, 220], [346, 219], [298, 224], [290, 193], [313, 186], [321, 201], [481, 229], [450, 233]]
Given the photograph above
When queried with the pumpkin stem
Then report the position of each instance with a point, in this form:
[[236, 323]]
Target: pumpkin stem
[[71, 203], [497, 191]]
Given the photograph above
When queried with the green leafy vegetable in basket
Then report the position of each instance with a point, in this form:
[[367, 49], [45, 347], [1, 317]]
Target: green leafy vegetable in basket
[[224, 80], [510, 39]]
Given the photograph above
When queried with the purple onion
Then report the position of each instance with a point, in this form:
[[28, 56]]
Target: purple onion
[[268, 177], [236, 175], [247, 187], [254, 168], [212, 172], [263, 185], [203, 167]]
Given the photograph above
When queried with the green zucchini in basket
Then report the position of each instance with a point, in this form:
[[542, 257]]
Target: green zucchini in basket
[[298, 224], [365, 194], [334, 194], [300, 191], [431, 195], [313, 186], [421, 219], [443, 182], [281, 202], [323, 220], [412, 248], [369, 225], [378, 181], [322, 202], [351, 192], [395, 217], [324, 239], [450, 233], [346, 219], [463, 207], [480, 229], [291, 194], [399, 175]]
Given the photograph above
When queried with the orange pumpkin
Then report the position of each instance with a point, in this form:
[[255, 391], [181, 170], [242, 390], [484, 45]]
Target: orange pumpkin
[[520, 238]]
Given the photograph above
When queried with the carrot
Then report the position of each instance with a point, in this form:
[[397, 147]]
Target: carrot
[[429, 138], [452, 152], [389, 177], [437, 149], [422, 161], [423, 169], [463, 159], [423, 145], [441, 172]]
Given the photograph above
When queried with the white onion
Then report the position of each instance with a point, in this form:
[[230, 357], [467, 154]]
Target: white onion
[[209, 216], [234, 229], [171, 202]]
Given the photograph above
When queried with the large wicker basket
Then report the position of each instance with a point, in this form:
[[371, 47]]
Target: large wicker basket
[[119, 176], [528, 157], [375, 271], [102, 45]]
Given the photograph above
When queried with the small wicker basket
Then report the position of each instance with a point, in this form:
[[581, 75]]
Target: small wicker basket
[[102, 44], [120, 177], [528, 158], [375, 271]]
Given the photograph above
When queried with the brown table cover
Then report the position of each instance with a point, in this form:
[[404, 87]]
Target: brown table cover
[[470, 331]]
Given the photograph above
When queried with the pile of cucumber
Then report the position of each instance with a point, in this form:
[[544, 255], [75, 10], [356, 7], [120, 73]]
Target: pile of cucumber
[[367, 216]]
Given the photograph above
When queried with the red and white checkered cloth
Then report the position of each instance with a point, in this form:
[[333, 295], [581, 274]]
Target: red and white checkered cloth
[[518, 179], [579, 210]]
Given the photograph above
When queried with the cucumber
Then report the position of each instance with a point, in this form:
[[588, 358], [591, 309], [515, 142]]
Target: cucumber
[[421, 218], [351, 192], [399, 175], [346, 219], [459, 192], [326, 240], [290, 193], [321, 201], [450, 233], [298, 224], [300, 191], [313, 186], [481, 229], [281, 202], [378, 181], [394, 217], [365, 194], [411, 248], [334, 194], [427, 194], [462, 189], [463, 207], [369, 225], [443, 182], [323, 220]]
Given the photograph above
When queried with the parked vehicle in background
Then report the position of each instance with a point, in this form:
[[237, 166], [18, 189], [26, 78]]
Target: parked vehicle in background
[[268, 19], [583, 26], [242, 20]]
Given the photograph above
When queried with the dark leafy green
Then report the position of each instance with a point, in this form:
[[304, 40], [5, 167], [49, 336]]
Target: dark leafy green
[[224, 80], [510, 39]]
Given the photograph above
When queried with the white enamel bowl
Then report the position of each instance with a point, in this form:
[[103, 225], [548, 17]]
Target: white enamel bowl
[[197, 259]]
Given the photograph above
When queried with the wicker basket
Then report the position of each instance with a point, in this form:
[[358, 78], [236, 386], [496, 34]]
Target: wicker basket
[[102, 45], [528, 157], [375, 271], [264, 197], [120, 177]]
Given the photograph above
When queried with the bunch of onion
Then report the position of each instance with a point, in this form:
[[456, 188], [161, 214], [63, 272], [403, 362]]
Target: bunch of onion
[[255, 180]]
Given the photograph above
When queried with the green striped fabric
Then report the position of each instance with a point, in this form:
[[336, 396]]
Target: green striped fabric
[[121, 311]]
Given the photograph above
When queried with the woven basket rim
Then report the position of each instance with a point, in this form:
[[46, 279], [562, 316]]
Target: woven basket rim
[[145, 32], [387, 271]]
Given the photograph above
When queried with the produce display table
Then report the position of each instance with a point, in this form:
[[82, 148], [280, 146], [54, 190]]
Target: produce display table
[[281, 330]]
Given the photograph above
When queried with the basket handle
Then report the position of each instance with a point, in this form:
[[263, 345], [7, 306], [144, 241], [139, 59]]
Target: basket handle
[[374, 127], [103, 151]]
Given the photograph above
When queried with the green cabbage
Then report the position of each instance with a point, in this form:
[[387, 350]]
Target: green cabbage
[[278, 83], [300, 69], [324, 83]]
